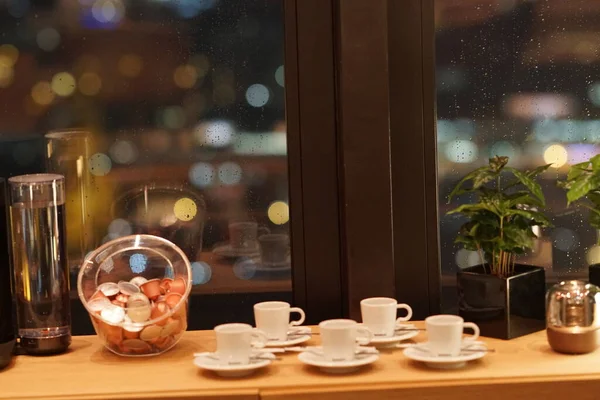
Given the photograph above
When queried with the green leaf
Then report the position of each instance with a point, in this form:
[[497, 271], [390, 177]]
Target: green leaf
[[473, 230], [576, 170], [595, 219], [595, 163], [535, 217], [497, 163], [517, 240], [502, 219], [468, 243], [594, 198], [523, 198], [564, 184], [472, 208], [535, 172], [458, 188], [582, 186], [530, 184], [482, 178], [531, 174]]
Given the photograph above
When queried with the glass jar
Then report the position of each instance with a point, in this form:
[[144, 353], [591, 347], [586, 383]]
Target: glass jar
[[136, 291], [572, 317]]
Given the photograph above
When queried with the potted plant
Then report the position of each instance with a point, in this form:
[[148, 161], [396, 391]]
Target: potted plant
[[583, 187], [505, 298]]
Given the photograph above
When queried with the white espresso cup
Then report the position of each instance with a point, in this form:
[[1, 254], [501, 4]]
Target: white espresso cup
[[273, 318], [339, 338], [445, 334], [379, 315], [274, 249], [235, 342], [243, 235]]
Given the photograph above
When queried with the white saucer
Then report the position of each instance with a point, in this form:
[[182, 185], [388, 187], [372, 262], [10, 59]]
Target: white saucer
[[337, 367], [255, 264], [391, 341], [420, 352], [301, 335], [206, 361], [225, 250], [261, 266]]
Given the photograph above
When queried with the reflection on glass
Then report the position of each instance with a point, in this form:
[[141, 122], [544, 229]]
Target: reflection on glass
[[518, 79], [184, 105], [174, 213], [68, 153]]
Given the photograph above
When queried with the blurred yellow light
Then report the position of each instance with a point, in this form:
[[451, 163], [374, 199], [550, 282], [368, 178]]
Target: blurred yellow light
[[7, 74], [185, 209], [9, 54], [42, 93], [130, 65], [63, 84], [185, 76], [5, 61], [90, 84], [593, 255], [279, 212], [556, 155]]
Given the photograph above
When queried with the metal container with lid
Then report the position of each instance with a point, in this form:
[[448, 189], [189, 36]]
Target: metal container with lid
[[572, 317], [41, 280]]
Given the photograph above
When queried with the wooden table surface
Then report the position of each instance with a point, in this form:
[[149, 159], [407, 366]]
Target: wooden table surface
[[523, 368]]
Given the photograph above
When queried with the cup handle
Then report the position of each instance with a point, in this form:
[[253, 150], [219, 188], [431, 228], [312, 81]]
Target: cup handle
[[260, 337], [408, 312], [302, 316], [364, 336], [475, 328]]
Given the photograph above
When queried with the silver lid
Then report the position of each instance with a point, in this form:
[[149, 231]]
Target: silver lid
[[573, 306], [37, 190]]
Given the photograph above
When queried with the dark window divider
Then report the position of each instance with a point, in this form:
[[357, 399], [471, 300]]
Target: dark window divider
[[414, 156], [312, 153], [386, 129], [364, 146]]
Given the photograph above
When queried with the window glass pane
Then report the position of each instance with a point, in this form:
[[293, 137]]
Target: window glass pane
[[183, 101], [518, 78]]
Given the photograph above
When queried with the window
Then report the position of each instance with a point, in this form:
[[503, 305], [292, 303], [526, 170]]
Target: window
[[518, 78], [183, 103]]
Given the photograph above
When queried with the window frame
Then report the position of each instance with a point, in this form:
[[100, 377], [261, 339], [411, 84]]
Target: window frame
[[313, 157], [386, 87]]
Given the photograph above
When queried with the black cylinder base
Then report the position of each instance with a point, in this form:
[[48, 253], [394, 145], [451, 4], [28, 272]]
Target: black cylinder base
[[46, 346], [6, 350]]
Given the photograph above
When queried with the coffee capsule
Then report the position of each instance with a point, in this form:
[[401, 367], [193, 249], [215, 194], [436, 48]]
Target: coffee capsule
[[109, 289], [151, 288], [128, 288], [138, 281]]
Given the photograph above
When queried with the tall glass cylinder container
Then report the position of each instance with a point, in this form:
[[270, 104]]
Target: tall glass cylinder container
[[7, 331], [68, 154], [37, 218]]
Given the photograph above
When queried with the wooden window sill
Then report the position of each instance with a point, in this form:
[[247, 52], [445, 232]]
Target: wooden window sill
[[523, 368]]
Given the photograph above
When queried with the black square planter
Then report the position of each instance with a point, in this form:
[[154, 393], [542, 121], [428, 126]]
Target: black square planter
[[6, 350], [594, 274], [504, 308]]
